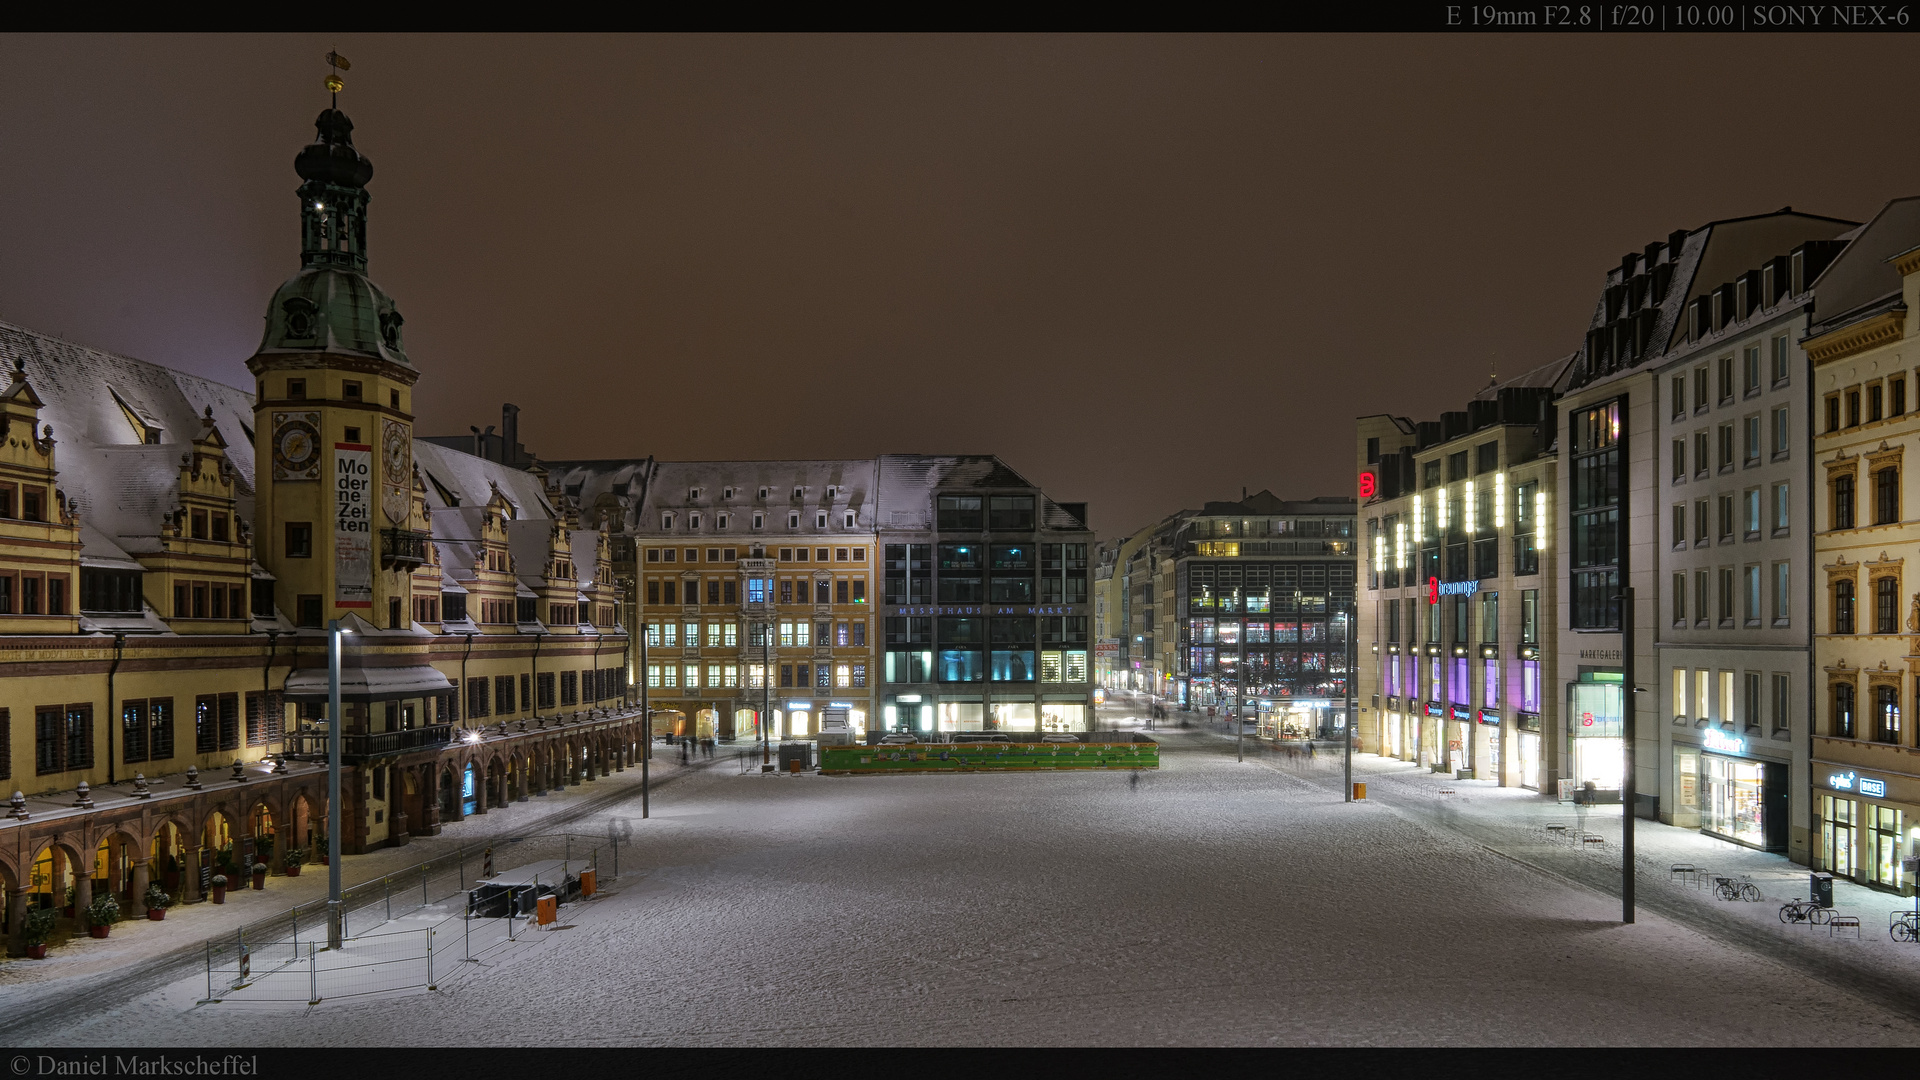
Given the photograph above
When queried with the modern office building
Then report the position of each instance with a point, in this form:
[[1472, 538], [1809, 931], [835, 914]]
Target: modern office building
[[986, 599], [1455, 639], [1262, 600], [1865, 782]]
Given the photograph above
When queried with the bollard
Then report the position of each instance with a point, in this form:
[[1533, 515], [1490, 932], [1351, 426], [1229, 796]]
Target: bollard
[[386, 883], [430, 985], [423, 886], [313, 976]]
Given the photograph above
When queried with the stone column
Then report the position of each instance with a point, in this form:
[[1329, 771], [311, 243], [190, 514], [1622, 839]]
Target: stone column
[[141, 873], [190, 876], [82, 893], [17, 919], [430, 803], [539, 769]]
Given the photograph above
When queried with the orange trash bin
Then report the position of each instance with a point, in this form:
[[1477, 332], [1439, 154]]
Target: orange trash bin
[[1359, 790], [586, 883], [547, 910]]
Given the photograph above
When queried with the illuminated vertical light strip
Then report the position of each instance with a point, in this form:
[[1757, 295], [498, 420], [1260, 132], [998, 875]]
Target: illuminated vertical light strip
[[1540, 520], [1468, 510], [1379, 552], [1499, 500], [1400, 544], [1440, 510], [1419, 518]]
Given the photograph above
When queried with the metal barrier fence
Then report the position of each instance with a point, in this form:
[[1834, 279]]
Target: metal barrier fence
[[415, 922]]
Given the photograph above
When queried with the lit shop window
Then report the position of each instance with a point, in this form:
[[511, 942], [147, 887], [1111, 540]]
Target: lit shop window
[[653, 676]]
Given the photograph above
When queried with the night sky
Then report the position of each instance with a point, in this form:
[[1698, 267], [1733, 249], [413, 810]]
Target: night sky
[[1145, 271]]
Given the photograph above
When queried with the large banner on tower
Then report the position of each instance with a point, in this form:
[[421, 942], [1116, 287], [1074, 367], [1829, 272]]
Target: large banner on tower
[[352, 525]]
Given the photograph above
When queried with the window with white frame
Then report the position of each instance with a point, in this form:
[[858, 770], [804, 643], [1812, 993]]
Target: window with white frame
[[849, 519], [720, 520], [793, 519], [820, 520], [666, 520], [693, 521], [759, 520]]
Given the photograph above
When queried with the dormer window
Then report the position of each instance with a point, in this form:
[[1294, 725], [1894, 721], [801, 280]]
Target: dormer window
[[831, 492], [799, 493], [350, 390], [763, 494], [693, 494], [820, 520], [666, 520], [693, 521], [726, 493], [720, 520], [849, 519], [793, 520], [759, 520]]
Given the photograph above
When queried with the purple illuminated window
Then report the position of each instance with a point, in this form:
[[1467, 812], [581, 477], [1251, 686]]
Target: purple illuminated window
[[1530, 686], [1490, 684], [1462, 689]]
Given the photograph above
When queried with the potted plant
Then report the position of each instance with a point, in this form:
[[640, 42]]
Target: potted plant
[[320, 845], [259, 876], [291, 862], [102, 914], [263, 849], [67, 910], [219, 888], [158, 901], [224, 859], [39, 927]]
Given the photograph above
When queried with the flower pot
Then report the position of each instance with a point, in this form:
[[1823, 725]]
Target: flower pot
[[98, 931], [259, 880], [293, 871], [219, 894], [156, 914], [37, 952]]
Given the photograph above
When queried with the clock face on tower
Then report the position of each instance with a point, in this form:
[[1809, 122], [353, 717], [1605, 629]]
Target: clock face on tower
[[296, 446], [396, 471]]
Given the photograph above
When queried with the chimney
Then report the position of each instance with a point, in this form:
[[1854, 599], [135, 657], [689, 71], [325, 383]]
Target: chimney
[[510, 434]]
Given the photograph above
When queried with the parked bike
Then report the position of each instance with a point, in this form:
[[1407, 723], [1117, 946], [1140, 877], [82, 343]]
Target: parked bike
[[1729, 889], [1806, 911], [1907, 928]]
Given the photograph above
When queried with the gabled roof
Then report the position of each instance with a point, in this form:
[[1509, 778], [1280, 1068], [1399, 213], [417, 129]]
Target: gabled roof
[[908, 481], [123, 485], [1861, 279]]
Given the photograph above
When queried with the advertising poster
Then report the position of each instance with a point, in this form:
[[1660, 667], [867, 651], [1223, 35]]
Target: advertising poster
[[353, 525]]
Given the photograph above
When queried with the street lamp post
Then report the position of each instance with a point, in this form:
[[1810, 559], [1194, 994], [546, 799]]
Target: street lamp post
[[1353, 616], [766, 694], [646, 722], [334, 734]]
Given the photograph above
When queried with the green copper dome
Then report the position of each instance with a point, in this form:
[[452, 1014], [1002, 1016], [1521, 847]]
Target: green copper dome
[[336, 310], [331, 305]]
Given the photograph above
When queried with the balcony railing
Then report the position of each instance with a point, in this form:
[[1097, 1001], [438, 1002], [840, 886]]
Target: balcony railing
[[360, 746], [402, 549]]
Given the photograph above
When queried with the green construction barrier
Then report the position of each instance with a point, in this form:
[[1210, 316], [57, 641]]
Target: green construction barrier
[[988, 757]]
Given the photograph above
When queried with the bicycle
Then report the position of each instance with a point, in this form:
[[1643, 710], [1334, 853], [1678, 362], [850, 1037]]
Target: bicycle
[[1729, 889], [1906, 928], [1807, 911]]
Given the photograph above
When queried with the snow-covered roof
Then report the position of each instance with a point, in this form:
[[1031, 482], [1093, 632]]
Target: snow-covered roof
[[123, 484], [1861, 280], [685, 487]]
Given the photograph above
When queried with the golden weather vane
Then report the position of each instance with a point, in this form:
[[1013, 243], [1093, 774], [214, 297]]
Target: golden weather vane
[[336, 64]]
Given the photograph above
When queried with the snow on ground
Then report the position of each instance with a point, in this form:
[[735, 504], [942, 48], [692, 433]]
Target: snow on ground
[[1213, 903]]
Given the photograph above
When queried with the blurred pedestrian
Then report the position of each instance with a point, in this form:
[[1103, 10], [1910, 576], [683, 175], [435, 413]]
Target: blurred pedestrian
[[1133, 781], [685, 758]]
